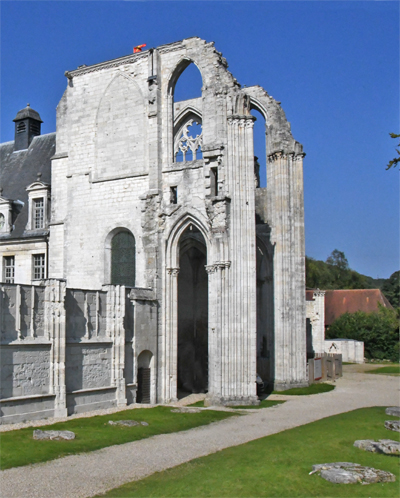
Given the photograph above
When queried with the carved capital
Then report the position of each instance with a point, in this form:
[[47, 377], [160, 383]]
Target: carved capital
[[218, 265], [223, 265], [173, 271]]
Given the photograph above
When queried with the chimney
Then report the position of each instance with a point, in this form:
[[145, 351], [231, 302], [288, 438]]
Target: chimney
[[27, 126]]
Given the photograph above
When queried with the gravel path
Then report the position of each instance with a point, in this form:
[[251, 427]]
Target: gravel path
[[86, 475]]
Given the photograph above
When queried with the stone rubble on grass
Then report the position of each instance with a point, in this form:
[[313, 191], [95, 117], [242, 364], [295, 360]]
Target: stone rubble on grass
[[393, 425], [186, 409], [393, 410], [386, 446], [53, 435], [127, 423], [351, 473]]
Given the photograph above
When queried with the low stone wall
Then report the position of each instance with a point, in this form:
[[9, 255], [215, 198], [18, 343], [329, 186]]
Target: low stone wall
[[351, 351], [324, 367], [64, 350]]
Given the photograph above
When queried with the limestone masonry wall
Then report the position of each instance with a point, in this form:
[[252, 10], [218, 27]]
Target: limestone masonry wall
[[63, 350]]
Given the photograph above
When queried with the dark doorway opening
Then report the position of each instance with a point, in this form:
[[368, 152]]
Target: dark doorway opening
[[192, 314], [143, 394]]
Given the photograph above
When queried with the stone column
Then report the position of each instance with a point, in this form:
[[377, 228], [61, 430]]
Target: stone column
[[286, 212], [170, 340], [54, 309], [116, 331], [237, 284]]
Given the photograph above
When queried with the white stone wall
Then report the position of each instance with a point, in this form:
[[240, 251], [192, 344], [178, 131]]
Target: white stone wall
[[113, 168], [351, 351], [23, 256], [315, 311]]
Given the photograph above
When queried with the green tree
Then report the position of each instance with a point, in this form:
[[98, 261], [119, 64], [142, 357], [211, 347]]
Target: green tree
[[395, 160], [391, 289], [338, 259], [378, 330], [334, 274]]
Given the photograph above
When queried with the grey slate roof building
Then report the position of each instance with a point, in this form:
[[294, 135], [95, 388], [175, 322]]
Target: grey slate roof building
[[25, 182], [19, 169]]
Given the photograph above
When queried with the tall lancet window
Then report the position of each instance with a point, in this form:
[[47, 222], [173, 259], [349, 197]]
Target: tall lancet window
[[123, 259]]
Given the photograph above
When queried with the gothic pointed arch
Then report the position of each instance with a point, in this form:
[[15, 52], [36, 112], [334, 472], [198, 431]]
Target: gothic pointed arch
[[117, 120], [181, 224]]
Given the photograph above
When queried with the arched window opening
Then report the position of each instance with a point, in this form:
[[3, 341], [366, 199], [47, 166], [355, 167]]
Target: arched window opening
[[189, 84], [188, 141], [186, 91], [123, 259], [260, 159]]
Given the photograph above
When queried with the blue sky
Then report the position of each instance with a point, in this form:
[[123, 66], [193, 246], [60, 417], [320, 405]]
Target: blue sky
[[333, 65]]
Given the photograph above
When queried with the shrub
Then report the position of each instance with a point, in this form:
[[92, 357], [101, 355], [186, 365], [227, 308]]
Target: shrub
[[378, 330]]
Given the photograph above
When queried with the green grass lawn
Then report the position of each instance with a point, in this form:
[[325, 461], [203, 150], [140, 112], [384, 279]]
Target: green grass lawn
[[19, 448], [279, 465], [304, 391], [265, 403], [389, 370]]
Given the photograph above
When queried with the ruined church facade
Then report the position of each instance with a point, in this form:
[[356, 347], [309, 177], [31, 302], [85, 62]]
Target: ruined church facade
[[210, 266]]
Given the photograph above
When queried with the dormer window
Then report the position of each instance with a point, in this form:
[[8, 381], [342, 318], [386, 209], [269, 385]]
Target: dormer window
[[39, 205], [38, 213], [5, 215]]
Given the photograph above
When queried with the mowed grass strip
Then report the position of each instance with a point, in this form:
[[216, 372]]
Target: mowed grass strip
[[19, 448], [389, 370], [279, 465], [265, 403], [305, 391]]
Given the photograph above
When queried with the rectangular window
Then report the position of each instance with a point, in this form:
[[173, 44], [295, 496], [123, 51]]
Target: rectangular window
[[9, 269], [38, 213], [174, 195], [214, 182], [39, 268]]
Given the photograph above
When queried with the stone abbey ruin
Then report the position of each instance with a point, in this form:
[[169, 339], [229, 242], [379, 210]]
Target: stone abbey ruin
[[139, 260]]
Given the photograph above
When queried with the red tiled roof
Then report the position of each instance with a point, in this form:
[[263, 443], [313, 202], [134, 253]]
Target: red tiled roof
[[338, 302], [309, 295]]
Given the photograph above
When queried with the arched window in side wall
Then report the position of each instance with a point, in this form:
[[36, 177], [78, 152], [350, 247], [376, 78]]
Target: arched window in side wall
[[186, 89], [260, 159], [123, 259]]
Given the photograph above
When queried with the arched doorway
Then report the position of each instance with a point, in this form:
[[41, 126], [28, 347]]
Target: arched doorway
[[192, 313], [143, 394]]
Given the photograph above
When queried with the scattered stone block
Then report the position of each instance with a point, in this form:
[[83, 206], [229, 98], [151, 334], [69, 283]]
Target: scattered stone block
[[186, 409], [144, 423], [351, 473], [53, 435], [393, 425], [385, 446], [125, 423], [393, 410]]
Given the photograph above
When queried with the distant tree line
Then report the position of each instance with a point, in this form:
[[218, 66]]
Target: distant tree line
[[335, 273]]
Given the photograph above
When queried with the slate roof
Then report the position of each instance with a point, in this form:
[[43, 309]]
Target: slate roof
[[20, 169], [338, 302]]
